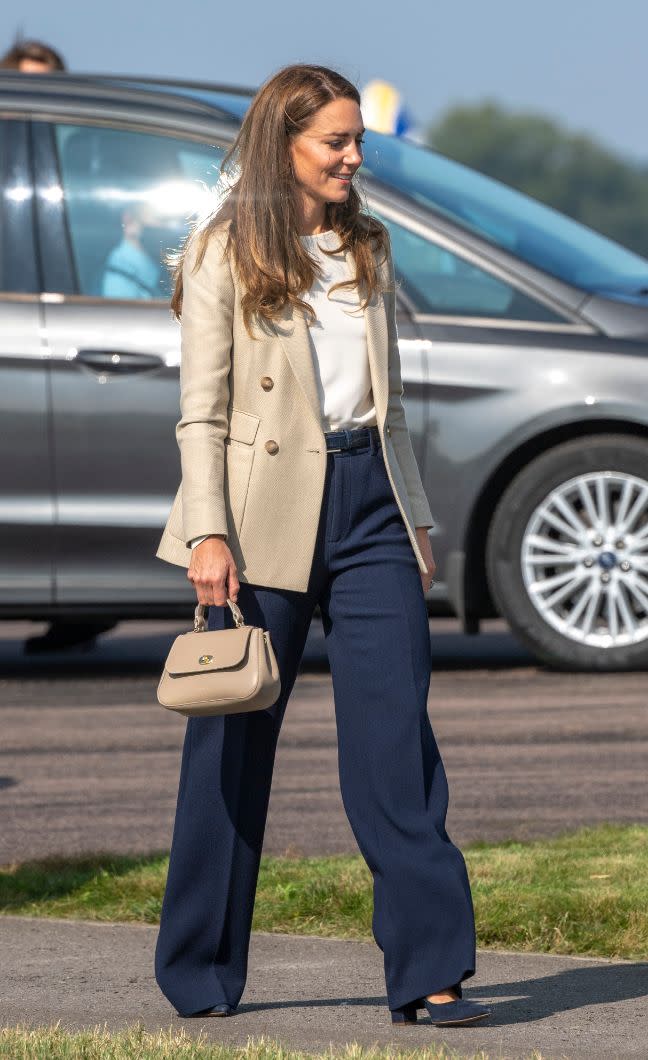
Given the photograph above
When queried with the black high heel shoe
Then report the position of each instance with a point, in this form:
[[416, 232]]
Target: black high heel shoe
[[442, 1014], [215, 1010], [406, 1013]]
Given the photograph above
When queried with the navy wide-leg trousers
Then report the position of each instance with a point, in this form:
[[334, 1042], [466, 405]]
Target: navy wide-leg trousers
[[366, 581]]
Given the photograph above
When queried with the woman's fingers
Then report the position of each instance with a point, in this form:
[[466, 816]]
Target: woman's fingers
[[212, 572], [233, 583], [428, 577], [217, 591], [215, 587], [210, 590]]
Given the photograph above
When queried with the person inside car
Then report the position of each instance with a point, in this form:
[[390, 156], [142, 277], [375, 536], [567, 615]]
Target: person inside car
[[130, 271]]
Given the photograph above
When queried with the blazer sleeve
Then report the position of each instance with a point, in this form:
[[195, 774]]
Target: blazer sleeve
[[400, 435], [205, 359]]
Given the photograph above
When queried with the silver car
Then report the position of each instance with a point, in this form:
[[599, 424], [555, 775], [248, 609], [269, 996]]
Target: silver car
[[523, 341]]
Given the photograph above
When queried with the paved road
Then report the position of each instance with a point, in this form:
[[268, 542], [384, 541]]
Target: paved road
[[309, 992], [89, 761]]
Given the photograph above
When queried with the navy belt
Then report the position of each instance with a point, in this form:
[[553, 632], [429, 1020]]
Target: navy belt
[[350, 438]]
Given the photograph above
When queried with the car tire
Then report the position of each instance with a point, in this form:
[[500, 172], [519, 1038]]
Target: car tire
[[578, 598]]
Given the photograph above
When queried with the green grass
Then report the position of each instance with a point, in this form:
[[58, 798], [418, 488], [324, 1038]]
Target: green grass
[[52, 1043], [581, 893]]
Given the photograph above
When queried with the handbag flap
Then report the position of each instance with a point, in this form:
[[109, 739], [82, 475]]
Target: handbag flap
[[216, 649]]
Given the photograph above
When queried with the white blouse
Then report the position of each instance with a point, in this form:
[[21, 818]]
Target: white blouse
[[338, 343]]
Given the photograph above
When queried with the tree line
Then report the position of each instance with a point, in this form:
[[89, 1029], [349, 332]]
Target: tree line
[[570, 171]]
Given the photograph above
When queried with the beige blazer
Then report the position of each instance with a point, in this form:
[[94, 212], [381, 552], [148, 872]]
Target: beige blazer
[[252, 448]]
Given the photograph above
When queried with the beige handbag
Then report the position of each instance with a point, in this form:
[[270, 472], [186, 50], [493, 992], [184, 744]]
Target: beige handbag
[[220, 671]]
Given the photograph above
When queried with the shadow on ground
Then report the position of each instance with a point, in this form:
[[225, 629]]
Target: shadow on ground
[[526, 1000], [139, 649]]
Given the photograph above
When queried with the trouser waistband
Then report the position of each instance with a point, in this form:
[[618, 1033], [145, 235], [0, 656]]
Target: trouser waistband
[[350, 438]]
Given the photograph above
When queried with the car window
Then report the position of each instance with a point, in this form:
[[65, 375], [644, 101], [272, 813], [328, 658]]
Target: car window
[[130, 198], [438, 281], [532, 231]]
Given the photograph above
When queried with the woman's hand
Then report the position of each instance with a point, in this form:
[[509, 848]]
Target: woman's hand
[[425, 546], [213, 572]]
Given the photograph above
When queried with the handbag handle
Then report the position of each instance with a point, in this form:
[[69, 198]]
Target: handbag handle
[[200, 616]]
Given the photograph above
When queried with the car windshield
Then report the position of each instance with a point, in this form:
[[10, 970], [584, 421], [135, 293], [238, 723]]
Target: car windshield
[[524, 227]]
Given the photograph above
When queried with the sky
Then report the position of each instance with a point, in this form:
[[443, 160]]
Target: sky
[[582, 62]]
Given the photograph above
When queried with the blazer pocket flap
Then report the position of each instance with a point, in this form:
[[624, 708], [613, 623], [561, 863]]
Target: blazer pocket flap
[[243, 426], [216, 649]]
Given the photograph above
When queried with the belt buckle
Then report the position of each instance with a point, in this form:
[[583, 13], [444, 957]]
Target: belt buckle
[[337, 449]]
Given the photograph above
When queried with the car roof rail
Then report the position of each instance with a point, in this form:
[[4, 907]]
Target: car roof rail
[[62, 84], [179, 82]]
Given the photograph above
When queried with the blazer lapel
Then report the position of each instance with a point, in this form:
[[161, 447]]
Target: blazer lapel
[[376, 325], [292, 330]]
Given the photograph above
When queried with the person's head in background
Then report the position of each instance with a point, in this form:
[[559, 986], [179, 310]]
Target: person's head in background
[[32, 57]]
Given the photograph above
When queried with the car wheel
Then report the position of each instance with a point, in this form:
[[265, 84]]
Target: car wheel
[[567, 554]]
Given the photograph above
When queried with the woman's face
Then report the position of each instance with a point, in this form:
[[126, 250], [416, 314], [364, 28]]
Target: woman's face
[[327, 153]]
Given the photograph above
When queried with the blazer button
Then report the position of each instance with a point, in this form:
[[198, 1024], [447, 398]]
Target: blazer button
[[271, 446], [267, 382], [388, 430]]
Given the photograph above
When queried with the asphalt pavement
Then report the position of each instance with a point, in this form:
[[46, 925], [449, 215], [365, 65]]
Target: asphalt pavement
[[310, 992], [89, 761]]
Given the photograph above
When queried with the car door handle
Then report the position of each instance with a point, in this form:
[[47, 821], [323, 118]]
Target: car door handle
[[118, 362]]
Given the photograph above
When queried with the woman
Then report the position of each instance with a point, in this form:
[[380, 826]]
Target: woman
[[300, 487]]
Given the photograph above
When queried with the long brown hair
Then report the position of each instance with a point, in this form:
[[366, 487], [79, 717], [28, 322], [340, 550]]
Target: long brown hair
[[260, 210]]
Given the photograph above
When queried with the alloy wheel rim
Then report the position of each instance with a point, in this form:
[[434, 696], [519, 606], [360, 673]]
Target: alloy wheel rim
[[584, 559]]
